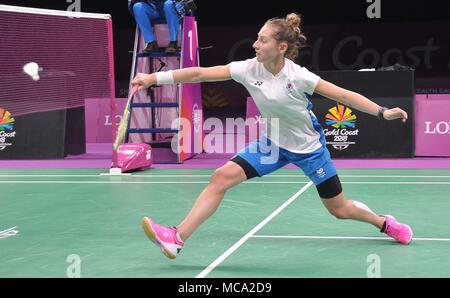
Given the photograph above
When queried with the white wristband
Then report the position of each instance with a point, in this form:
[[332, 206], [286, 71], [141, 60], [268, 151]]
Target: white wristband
[[164, 78]]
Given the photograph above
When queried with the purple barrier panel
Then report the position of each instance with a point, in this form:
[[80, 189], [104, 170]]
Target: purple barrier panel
[[432, 125], [98, 118], [432, 96]]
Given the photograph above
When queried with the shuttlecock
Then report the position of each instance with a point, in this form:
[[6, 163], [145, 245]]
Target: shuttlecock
[[32, 69]]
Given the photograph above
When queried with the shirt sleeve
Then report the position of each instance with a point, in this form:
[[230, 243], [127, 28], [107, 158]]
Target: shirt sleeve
[[308, 81], [238, 70]]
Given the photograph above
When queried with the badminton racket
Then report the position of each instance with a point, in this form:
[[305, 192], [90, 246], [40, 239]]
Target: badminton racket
[[123, 125]]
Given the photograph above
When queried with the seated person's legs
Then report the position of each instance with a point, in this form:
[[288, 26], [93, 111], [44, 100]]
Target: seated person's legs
[[173, 23], [144, 13]]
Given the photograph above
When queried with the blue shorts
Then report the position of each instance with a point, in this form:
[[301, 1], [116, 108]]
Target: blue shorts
[[266, 157]]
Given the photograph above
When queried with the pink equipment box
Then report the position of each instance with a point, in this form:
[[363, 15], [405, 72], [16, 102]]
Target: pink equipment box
[[134, 157]]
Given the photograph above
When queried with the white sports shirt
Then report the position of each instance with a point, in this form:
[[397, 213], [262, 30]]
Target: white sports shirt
[[283, 96]]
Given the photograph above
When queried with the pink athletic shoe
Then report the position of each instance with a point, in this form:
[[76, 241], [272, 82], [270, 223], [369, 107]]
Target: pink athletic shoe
[[399, 231], [164, 237]]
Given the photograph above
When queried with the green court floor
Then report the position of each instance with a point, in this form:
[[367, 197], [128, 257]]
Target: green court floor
[[57, 223]]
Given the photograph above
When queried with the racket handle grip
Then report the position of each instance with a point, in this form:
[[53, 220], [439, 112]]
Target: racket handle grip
[[134, 89]]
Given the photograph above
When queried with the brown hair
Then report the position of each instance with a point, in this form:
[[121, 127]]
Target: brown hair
[[288, 30]]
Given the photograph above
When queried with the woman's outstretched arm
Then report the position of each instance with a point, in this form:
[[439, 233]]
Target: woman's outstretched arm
[[185, 75], [357, 101]]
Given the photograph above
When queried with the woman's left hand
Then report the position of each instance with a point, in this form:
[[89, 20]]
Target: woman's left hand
[[395, 113]]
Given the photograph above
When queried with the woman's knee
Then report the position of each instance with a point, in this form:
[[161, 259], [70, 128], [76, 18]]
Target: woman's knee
[[226, 177], [339, 213], [220, 179], [338, 206]]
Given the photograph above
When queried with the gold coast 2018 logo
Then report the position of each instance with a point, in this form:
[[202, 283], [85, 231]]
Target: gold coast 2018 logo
[[343, 121], [6, 129]]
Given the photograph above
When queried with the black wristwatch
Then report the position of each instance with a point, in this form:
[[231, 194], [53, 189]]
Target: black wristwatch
[[381, 111]]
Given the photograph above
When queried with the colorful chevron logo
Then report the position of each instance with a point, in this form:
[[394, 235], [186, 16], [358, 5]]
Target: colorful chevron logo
[[6, 121], [340, 117]]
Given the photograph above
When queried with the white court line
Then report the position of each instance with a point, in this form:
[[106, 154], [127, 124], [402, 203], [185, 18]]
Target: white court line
[[346, 238], [209, 175], [4, 231], [395, 182], [37, 175], [229, 251], [130, 182], [9, 232], [394, 176], [206, 182], [287, 176]]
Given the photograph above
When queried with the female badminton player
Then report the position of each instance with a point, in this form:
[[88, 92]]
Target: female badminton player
[[280, 89]]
